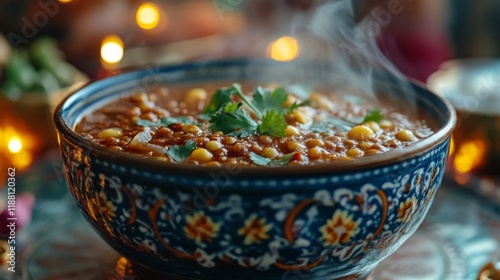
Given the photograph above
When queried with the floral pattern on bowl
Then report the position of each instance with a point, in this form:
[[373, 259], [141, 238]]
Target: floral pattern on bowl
[[334, 228]]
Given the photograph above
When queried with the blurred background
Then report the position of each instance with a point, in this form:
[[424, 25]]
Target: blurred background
[[48, 47]]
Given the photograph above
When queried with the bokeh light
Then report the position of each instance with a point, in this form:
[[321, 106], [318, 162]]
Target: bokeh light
[[112, 49], [469, 156], [148, 16], [15, 145], [285, 48]]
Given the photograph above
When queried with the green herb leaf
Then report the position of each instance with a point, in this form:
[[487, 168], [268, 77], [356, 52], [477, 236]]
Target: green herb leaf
[[166, 121], [220, 98], [266, 100], [232, 107], [237, 123], [273, 124], [284, 160], [181, 153], [296, 105], [374, 116], [247, 101], [260, 160]]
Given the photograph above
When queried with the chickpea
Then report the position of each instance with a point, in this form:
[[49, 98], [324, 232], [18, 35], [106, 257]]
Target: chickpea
[[196, 95], [302, 116], [109, 132], [229, 140], [292, 131], [372, 152], [213, 164], [191, 129], [321, 100], [405, 135], [354, 153], [270, 152], [290, 100], [360, 133], [316, 152], [294, 146], [373, 126], [385, 124], [213, 146], [201, 154], [365, 145], [315, 143]]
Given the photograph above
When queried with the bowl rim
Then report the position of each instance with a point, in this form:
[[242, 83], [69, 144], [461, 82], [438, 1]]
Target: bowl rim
[[329, 168]]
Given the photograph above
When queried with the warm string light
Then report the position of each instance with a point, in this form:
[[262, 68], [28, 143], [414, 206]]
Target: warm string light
[[469, 156], [17, 145], [148, 16], [111, 51], [285, 48]]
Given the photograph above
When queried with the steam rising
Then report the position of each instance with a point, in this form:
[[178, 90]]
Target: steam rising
[[329, 34]]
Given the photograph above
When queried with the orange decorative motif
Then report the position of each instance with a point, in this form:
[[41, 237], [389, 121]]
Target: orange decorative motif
[[255, 230], [406, 210], [103, 206], [339, 229], [201, 228]]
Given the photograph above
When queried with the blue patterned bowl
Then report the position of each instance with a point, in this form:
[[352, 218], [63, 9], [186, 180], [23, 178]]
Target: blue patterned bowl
[[310, 222]]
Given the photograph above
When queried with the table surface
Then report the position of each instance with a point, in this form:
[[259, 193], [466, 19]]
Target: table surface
[[461, 233]]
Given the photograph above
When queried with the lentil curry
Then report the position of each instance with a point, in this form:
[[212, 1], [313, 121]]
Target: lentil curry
[[269, 126]]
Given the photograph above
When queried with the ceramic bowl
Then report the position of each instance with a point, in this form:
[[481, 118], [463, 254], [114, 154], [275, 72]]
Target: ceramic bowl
[[306, 222]]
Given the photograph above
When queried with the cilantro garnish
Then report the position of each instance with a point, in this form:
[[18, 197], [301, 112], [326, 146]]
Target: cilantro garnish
[[260, 160], [220, 98], [296, 105], [232, 107], [166, 121], [374, 116], [266, 100], [237, 123], [273, 124], [181, 153], [247, 101]]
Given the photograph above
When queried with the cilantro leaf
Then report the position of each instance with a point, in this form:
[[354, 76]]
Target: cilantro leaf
[[374, 116], [232, 107], [273, 124], [284, 160], [220, 98], [237, 123], [296, 105], [247, 101], [166, 121], [181, 153], [267, 100], [260, 160]]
